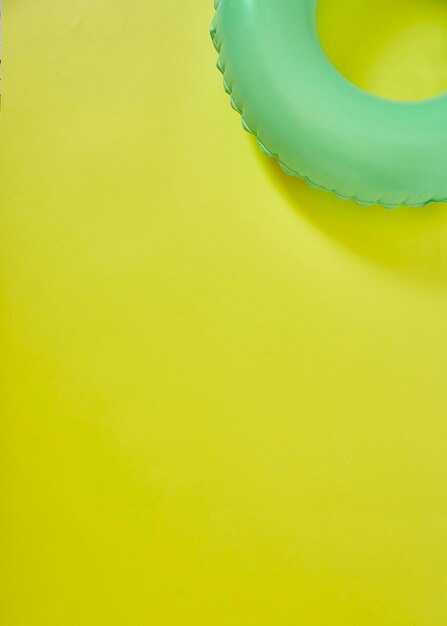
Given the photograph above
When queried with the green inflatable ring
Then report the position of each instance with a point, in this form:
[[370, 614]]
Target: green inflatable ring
[[319, 125]]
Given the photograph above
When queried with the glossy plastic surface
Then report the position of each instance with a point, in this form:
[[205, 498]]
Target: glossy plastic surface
[[319, 125]]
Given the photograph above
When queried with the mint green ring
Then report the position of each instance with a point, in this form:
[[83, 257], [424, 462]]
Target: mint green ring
[[315, 122]]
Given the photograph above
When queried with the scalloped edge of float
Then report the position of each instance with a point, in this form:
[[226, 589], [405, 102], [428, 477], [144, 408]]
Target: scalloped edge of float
[[286, 169]]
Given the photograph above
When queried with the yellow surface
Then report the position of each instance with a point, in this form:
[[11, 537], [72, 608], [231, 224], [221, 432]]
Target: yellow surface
[[223, 394], [393, 48]]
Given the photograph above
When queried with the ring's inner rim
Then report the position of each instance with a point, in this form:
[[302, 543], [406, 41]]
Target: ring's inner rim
[[364, 62]]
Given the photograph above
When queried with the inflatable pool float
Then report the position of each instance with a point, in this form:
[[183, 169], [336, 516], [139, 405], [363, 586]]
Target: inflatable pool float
[[314, 121]]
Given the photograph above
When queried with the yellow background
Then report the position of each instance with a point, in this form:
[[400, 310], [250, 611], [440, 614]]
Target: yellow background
[[223, 394]]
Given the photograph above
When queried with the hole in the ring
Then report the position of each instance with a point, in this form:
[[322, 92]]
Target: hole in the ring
[[395, 49]]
